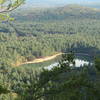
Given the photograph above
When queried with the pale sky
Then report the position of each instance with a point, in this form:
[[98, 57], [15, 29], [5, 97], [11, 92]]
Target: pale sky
[[62, 1], [58, 2]]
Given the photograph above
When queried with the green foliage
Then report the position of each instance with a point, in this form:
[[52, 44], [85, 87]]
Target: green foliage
[[67, 60], [58, 84], [97, 63], [7, 6], [3, 90]]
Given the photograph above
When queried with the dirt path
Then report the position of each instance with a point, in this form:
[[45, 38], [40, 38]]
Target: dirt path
[[39, 60]]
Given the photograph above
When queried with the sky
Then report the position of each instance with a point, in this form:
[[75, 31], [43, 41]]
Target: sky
[[58, 2]]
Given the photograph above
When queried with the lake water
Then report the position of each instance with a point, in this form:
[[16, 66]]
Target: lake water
[[80, 60], [78, 63]]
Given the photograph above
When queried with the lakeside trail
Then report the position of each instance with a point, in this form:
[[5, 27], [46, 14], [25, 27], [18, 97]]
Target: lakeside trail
[[40, 60], [43, 59]]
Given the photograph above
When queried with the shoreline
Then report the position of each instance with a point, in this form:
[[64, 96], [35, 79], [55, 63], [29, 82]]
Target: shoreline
[[44, 59], [40, 60]]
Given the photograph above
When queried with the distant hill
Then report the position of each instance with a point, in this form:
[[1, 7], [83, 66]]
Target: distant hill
[[58, 13], [93, 5]]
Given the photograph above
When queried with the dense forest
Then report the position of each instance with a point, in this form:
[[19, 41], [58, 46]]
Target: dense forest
[[24, 41], [38, 33], [75, 83]]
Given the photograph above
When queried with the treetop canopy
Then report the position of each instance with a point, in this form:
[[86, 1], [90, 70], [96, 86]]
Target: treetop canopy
[[9, 5]]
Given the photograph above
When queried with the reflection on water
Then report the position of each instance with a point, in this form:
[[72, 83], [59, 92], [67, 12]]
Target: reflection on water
[[80, 60], [78, 63]]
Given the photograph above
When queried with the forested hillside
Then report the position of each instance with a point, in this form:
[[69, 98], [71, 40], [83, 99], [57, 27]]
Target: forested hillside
[[24, 40], [59, 13]]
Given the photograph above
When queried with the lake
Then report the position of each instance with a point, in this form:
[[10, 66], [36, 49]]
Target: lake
[[80, 60], [78, 63]]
